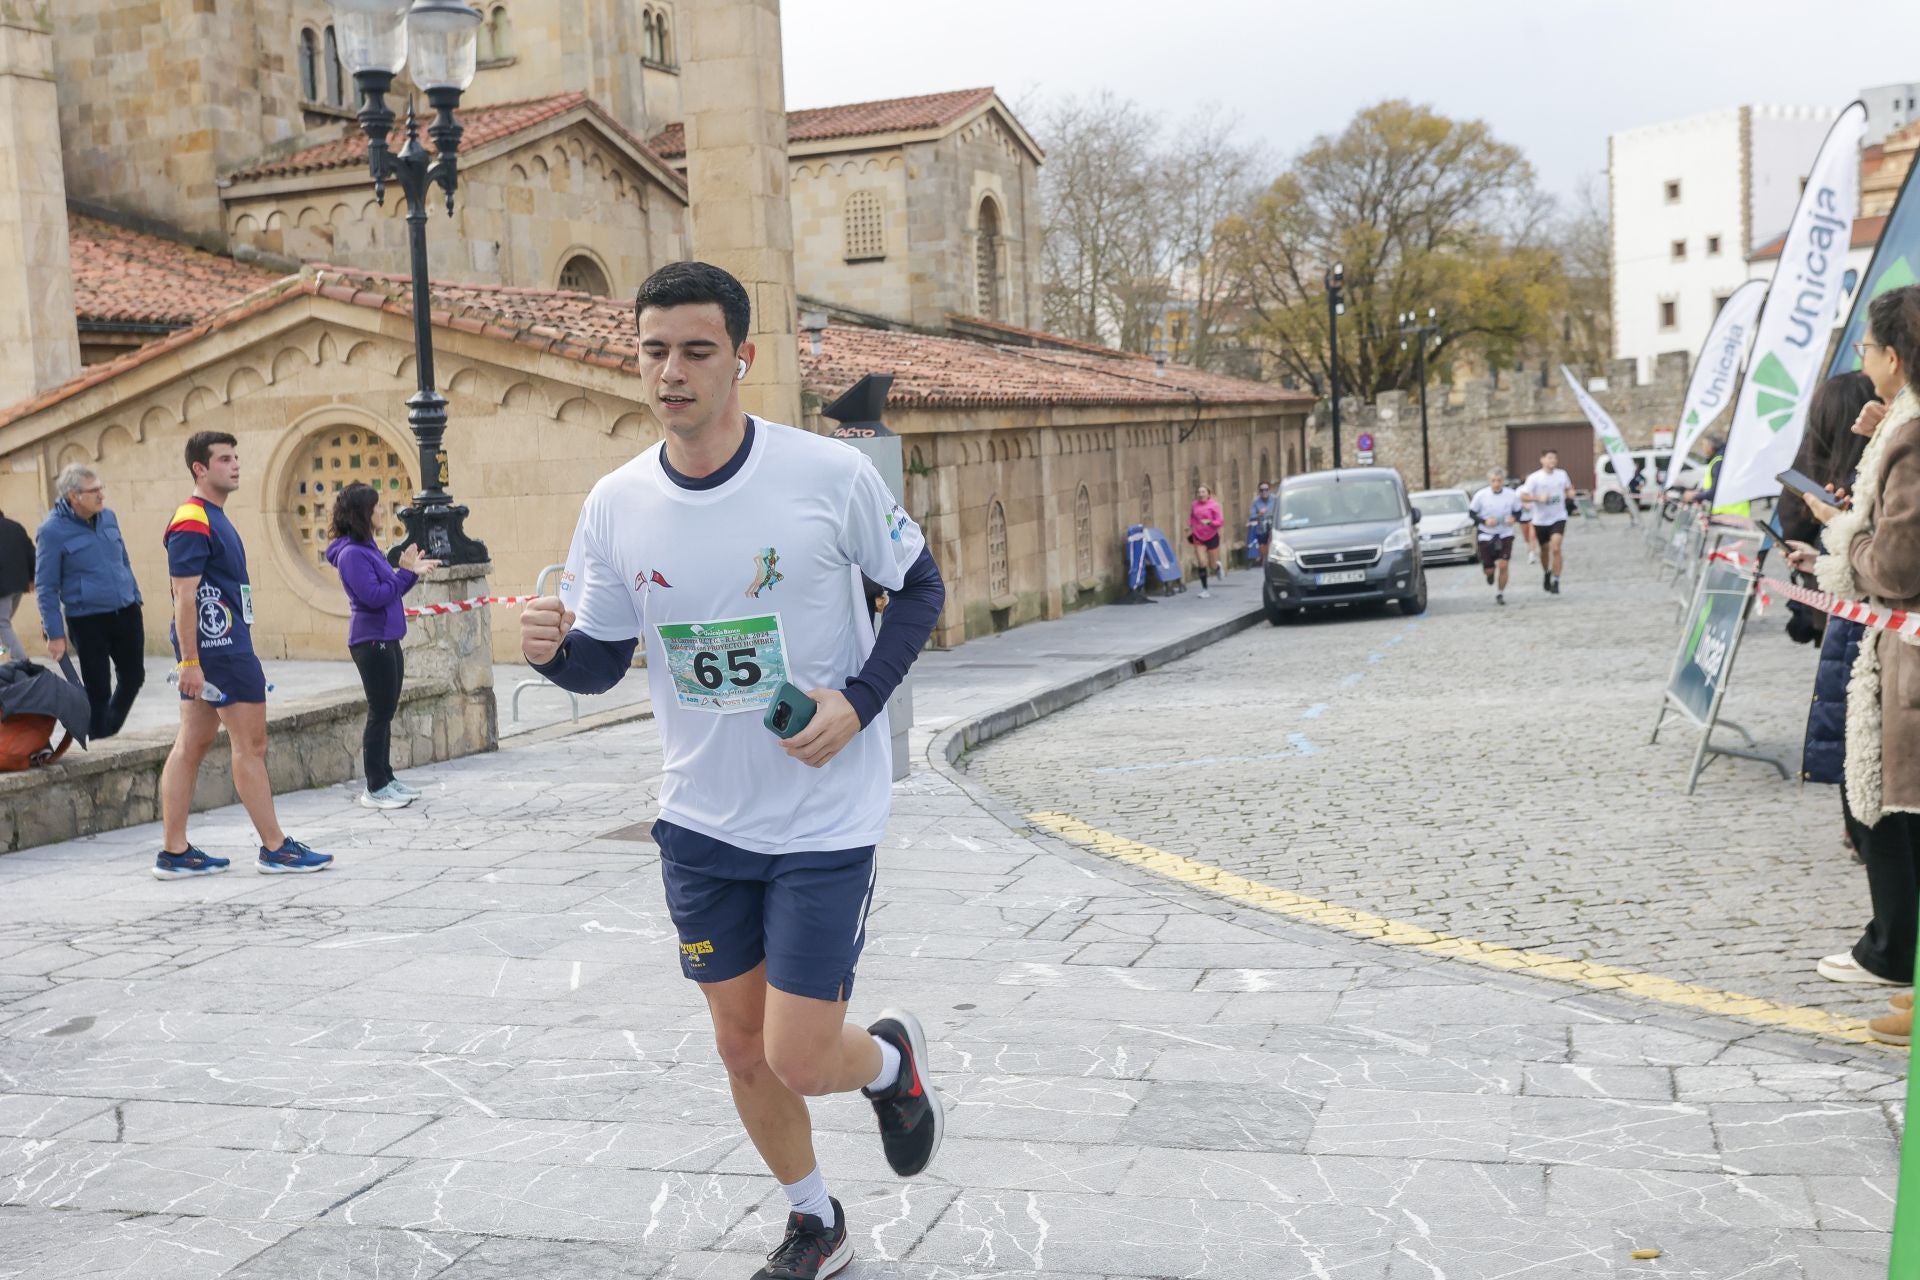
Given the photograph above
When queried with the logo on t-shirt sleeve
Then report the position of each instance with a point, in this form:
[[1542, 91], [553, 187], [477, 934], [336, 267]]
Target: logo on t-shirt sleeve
[[216, 619]]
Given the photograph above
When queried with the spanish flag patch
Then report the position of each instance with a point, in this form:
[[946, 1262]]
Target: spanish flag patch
[[191, 517]]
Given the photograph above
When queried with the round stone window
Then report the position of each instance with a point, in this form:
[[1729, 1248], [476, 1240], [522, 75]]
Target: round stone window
[[327, 462]]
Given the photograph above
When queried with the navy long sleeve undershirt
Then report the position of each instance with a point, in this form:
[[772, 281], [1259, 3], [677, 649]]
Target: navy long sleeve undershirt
[[588, 665]]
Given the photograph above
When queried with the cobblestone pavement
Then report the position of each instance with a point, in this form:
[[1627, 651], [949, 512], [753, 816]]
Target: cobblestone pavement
[[466, 1052], [1485, 772]]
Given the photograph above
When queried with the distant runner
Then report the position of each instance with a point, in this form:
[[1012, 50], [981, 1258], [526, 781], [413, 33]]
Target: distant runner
[[1548, 494], [1496, 513]]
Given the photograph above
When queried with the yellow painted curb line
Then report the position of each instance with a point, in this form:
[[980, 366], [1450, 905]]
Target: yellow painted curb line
[[1599, 977]]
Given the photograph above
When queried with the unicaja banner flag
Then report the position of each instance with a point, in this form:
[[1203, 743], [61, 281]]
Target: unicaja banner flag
[[1610, 438], [1790, 347], [1717, 370], [1896, 263]]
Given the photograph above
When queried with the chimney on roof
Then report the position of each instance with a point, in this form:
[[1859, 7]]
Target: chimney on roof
[[39, 336]]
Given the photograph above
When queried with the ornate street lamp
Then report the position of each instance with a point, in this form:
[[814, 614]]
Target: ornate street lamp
[[435, 41]]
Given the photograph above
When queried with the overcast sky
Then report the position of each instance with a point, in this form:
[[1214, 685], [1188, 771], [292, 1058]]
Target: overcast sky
[[1554, 77]]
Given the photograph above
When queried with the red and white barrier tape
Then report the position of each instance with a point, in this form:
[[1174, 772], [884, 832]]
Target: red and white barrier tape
[[1852, 610], [464, 606]]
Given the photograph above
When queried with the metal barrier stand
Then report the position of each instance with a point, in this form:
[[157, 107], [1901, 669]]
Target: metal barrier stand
[[540, 681]]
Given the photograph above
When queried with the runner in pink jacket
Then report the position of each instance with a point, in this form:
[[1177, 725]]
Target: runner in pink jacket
[[1204, 523]]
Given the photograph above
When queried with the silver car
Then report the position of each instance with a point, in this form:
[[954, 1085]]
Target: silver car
[[1446, 527]]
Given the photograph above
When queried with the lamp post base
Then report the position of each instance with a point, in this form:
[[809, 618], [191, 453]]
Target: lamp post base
[[439, 532]]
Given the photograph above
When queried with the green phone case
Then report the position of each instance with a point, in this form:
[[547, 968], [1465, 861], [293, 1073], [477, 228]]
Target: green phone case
[[790, 711]]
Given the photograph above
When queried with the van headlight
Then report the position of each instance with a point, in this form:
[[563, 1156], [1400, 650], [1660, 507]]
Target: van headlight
[[1279, 552], [1398, 540]]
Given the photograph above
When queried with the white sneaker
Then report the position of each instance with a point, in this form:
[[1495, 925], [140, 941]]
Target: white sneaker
[[385, 798], [1205, 594], [1844, 968], [400, 788], [1533, 557]]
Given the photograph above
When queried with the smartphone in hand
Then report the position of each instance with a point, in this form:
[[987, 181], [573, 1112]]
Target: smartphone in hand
[[790, 711]]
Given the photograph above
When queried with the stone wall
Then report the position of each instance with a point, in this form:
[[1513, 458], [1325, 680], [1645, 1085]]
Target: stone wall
[[1057, 488], [1467, 425], [39, 345], [446, 710], [822, 186], [950, 179], [518, 219]]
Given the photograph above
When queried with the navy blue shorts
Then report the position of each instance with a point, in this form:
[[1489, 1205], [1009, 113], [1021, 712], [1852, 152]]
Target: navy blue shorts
[[805, 914], [237, 676]]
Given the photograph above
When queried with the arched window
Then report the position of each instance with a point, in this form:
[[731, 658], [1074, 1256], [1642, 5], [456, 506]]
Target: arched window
[[1083, 534], [500, 27], [1266, 469], [582, 274], [987, 284], [309, 65], [336, 83], [665, 38], [1146, 500], [1239, 507], [1193, 484], [999, 569], [865, 227], [652, 33]]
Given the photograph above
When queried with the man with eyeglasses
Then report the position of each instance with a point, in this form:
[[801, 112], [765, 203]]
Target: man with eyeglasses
[[84, 585], [1260, 521]]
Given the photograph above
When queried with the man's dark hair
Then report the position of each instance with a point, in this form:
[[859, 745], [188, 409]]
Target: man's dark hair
[[1894, 318], [684, 284], [200, 447], [1545, 452], [353, 512]]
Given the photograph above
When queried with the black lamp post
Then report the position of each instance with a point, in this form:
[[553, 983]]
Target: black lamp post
[[1420, 328], [435, 40], [1336, 286]]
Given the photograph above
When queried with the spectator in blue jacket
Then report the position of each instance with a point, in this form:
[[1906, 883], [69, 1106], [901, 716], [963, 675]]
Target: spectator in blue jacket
[[374, 590], [84, 584]]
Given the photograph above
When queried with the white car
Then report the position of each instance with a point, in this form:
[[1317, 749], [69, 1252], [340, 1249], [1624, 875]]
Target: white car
[[1612, 495], [1446, 528]]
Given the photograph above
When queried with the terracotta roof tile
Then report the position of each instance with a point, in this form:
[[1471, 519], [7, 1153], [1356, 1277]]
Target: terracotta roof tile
[[1866, 234], [482, 125], [889, 115], [929, 372], [131, 277]]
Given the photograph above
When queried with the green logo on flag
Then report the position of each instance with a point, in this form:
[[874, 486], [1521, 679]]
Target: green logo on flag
[[1693, 417], [1777, 395]]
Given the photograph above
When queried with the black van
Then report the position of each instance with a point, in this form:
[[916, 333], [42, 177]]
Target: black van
[[1343, 537]]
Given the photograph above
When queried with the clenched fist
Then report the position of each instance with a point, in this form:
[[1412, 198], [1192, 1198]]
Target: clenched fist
[[543, 625]]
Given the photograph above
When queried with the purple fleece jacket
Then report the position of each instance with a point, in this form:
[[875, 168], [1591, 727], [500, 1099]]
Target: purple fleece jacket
[[374, 588]]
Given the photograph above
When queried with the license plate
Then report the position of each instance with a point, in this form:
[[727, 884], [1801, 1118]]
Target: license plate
[[1345, 575]]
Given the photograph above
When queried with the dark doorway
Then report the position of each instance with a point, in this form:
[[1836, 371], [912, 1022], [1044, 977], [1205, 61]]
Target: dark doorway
[[1574, 440]]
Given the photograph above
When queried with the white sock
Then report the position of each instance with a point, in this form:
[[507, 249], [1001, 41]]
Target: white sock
[[889, 1066], [809, 1196]]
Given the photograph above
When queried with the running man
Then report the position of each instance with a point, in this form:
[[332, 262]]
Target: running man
[[220, 678], [766, 845], [1260, 521], [1547, 494], [1496, 511]]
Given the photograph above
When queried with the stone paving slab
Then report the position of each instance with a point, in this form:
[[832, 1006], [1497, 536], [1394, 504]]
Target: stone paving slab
[[466, 1052]]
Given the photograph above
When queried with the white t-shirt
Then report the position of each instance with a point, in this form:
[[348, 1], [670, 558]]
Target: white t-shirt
[[1495, 507], [1549, 490], [776, 552]]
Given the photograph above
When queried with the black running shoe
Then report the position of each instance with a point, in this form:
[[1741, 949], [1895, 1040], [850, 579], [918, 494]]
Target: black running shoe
[[911, 1118], [1546, 580], [1489, 577], [811, 1249]]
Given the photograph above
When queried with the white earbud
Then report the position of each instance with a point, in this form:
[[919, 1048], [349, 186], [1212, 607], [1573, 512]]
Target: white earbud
[[739, 370]]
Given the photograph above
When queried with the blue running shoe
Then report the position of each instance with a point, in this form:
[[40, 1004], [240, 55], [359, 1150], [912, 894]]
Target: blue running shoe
[[194, 862], [401, 788], [291, 858]]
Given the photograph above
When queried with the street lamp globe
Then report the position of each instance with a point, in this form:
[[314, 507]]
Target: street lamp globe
[[445, 35], [372, 34]]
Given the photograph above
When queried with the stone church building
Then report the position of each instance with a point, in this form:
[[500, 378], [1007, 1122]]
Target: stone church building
[[189, 241]]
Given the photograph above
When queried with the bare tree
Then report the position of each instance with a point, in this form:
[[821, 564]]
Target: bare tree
[[1203, 182], [1099, 228], [1583, 238]]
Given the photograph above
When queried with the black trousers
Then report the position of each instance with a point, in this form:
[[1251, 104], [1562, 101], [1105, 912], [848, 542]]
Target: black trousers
[[111, 648], [1891, 850], [382, 671]]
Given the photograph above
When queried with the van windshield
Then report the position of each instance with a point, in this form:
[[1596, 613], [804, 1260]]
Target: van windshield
[[1330, 502]]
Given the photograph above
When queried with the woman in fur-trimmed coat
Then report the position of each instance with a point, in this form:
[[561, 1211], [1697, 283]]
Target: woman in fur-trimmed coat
[[1873, 553]]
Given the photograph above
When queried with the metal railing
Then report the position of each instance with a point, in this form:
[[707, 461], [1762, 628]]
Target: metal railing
[[539, 681]]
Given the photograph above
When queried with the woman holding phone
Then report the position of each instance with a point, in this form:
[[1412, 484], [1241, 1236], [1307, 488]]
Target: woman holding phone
[[1872, 552], [374, 590]]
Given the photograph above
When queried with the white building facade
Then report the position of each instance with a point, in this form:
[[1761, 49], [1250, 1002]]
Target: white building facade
[[1690, 200]]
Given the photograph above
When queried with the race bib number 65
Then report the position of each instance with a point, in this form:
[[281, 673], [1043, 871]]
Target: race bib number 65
[[735, 664]]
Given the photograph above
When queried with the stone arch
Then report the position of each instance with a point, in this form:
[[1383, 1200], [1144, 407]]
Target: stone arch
[[470, 381], [71, 452], [368, 209], [340, 215], [276, 221], [1266, 468], [517, 173], [999, 560], [115, 439], [538, 170], [634, 426], [1146, 498], [309, 216], [584, 271], [1083, 533], [406, 367], [521, 395], [363, 353], [245, 381], [580, 412], [246, 225], [155, 421], [328, 350], [199, 400], [287, 362]]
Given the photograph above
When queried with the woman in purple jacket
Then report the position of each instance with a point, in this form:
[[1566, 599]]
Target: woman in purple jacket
[[374, 589]]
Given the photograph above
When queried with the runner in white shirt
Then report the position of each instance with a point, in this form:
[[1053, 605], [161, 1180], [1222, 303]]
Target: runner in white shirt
[[1496, 513], [736, 548], [1548, 494]]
